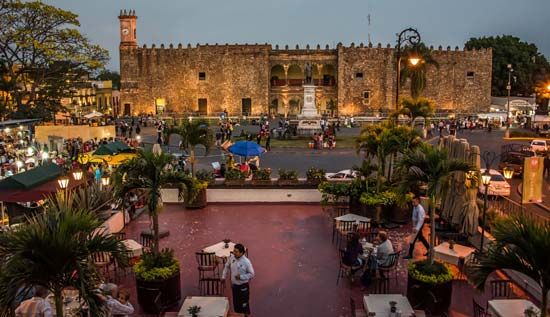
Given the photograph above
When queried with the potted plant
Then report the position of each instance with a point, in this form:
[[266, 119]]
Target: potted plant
[[205, 176], [334, 192], [287, 177], [377, 201], [197, 198], [234, 176], [429, 286], [315, 176], [261, 176], [194, 310], [158, 271]]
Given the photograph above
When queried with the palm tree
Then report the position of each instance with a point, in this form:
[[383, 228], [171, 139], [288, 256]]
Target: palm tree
[[419, 107], [151, 171], [417, 73], [54, 249], [194, 133], [428, 165], [521, 244]]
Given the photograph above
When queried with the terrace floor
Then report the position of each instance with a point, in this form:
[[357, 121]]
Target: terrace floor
[[290, 248]]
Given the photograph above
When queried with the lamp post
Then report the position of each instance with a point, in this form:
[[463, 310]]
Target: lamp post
[[486, 180], [509, 88], [105, 180], [412, 37], [77, 174], [63, 183]]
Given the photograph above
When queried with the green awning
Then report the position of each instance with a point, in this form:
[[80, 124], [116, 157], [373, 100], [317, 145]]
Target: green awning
[[112, 148], [32, 178]]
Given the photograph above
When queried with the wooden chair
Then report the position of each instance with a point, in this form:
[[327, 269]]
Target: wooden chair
[[207, 262], [501, 289], [211, 287], [479, 311], [146, 241], [380, 285], [342, 228], [339, 211], [119, 236], [363, 227], [354, 311], [103, 262], [393, 260], [345, 270]]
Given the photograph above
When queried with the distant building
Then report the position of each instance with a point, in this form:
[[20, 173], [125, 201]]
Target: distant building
[[90, 95], [254, 79]]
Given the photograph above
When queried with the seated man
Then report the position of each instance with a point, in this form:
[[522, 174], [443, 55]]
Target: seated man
[[377, 258]]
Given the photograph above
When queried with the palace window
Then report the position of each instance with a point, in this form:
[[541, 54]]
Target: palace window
[[359, 75], [366, 97], [202, 76], [470, 75]]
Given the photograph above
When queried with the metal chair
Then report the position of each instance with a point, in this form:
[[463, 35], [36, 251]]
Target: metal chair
[[103, 262], [207, 262], [479, 311], [393, 260], [354, 311], [363, 226], [341, 228], [501, 289], [380, 285], [119, 236], [147, 242], [345, 270], [211, 287], [339, 211]]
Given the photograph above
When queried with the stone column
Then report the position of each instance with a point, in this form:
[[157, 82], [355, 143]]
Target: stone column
[[320, 71], [286, 66]]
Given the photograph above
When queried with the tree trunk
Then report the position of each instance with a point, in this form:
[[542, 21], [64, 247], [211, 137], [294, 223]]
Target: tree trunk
[[432, 228], [192, 161], [544, 302], [58, 303], [156, 246]]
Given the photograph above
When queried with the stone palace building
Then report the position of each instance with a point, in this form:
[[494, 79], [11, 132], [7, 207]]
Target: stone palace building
[[253, 79]]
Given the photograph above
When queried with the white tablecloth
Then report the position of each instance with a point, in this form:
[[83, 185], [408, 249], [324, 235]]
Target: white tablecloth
[[210, 306], [444, 254], [352, 217], [509, 307], [135, 248], [219, 249], [380, 304]]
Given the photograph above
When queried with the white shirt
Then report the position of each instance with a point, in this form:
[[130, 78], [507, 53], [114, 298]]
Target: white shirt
[[240, 266], [34, 307], [418, 217], [117, 308], [383, 251]]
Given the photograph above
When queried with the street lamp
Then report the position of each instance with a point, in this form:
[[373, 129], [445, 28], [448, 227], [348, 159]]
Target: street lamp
[[77, 175], [486, 181], [508, 173], [412, 37], [509, 88], [105, 180]]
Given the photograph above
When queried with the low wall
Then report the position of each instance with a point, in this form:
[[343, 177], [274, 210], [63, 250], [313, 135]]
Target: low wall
[[263, 195], [73, 131]]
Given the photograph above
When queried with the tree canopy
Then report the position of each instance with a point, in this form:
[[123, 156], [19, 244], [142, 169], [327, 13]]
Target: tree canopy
[[529, 65], [416, 73], [41, 54]]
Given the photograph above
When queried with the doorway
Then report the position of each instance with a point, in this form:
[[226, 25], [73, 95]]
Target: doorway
[[127, 109], [246, 108], [203, 106]]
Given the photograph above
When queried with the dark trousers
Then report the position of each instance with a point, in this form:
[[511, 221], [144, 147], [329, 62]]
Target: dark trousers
[[241, 296], [419, 236]]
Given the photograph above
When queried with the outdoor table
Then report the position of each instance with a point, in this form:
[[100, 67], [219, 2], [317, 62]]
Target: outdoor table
[[444, 254], [135, 249], [352, 217], [379, 304], [211, 306], [220, 250], [509, 307], [71, 303]]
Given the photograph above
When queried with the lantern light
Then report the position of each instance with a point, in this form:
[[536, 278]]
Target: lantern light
[[63, 182], [508, 172], [414, 60], [45, 155], [77, 175], [105, 180], [486, 178], [30, 151]]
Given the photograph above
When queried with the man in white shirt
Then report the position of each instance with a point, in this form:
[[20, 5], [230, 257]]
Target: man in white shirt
[[241, 272], [418, 215], [37, 306], [385, 248]]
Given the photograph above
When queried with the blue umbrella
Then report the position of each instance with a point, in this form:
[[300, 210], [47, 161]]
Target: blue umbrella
[[246, 148]]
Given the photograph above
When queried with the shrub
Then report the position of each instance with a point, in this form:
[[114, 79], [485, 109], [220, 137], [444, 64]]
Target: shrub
[[332, 191], [234, 174], [385, 198], [289, 175], [158, 267], [436, 273], [204, 175], [263, 174], [316, 174]]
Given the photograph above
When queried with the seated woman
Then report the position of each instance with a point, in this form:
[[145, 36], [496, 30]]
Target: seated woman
[[353, 250]]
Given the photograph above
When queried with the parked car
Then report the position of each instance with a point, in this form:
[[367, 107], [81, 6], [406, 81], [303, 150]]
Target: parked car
[[514, 160], [345, 174], [498, 186], [539, 146]]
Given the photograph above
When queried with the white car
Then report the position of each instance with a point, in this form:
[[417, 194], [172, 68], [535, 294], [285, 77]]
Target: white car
[[498, 186], [341, 175], [539, 146]]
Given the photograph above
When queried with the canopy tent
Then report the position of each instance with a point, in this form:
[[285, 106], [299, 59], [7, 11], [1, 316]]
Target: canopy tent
[[31, 178], [246, 149], [112, 148], [109, 159], [93, 114], [36, 193]]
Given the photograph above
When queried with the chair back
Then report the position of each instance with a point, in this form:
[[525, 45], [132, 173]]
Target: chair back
[[211, 287], [363, 226], [206, 259], [340, 211], [392, 260], [346, 226], [380, 285], [119, 236], [342, 254], [146, 241], [101, 257], [501, 289], [479, 311]]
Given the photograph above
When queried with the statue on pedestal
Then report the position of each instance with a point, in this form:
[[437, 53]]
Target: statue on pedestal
[[308, 71]]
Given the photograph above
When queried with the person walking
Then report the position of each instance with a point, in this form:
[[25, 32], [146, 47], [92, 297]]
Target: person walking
[[268, 142], [546, 171], [418, 215], [36, 306], [241, 272]]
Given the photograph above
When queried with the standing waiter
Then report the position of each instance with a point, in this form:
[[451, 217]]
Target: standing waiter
[[242, 272]]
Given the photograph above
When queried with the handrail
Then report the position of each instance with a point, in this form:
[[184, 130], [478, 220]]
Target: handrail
[[507, 207]]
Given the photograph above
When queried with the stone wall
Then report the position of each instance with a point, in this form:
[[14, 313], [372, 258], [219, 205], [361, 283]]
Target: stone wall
[[234, 72]]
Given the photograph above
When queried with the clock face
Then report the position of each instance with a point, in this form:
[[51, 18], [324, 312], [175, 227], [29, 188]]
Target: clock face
[[125, 31]]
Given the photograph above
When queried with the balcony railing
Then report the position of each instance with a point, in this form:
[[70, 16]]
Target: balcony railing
[[300, 82], [507, 207]]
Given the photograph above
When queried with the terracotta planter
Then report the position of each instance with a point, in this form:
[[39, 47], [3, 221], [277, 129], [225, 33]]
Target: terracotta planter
[[260, 182], [287, 182], [170, 293], [199, 202], [399, 214], [234, 182], [435, 298]]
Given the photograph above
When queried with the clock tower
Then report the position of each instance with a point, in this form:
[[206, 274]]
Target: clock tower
[[128, 36]]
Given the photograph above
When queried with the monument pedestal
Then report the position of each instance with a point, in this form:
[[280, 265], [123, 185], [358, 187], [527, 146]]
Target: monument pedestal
[[309, 110]]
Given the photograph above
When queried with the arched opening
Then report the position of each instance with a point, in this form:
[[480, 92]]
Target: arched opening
[[295, 75], [295, 106], [329, 75], [274, 107], [277, 75]]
